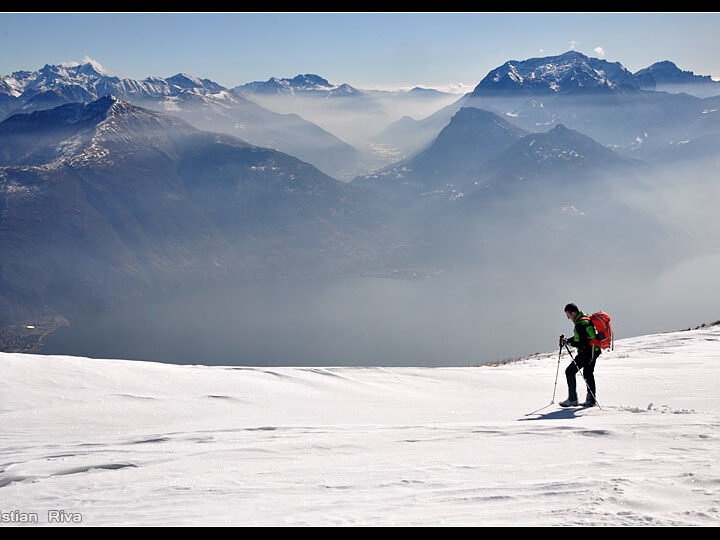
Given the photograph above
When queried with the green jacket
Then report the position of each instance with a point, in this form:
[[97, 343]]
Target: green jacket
[[584, 332]]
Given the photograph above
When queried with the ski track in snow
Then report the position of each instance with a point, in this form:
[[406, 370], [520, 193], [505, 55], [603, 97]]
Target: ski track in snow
[[139, 443]]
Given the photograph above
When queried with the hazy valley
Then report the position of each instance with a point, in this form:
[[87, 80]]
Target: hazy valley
[[296, 221]]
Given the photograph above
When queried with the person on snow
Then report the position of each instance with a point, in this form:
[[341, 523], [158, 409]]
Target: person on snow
[[585, 359]]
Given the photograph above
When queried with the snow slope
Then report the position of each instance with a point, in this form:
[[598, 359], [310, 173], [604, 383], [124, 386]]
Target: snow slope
[[135, 443]]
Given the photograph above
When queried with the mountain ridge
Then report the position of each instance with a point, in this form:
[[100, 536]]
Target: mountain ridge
[[536, 94], [568, 73], [118, 200], [470, 138], [201, 102], [665, 71]]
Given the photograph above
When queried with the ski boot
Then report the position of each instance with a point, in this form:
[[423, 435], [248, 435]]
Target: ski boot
[[569, 402], [589, 402]]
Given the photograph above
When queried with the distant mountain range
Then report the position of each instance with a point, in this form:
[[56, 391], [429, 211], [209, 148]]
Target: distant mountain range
[[575, 73], [104, 201], [667, 73], [110, 188], [329, 132], [307, 84], [456, 155], [626, 111], [479, 148], [568, 73], [353, 114], [485, 188], [311, 85], [86, 82], [203, 103]]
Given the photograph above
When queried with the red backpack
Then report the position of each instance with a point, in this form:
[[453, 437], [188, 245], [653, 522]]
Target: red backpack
[[603, 330]]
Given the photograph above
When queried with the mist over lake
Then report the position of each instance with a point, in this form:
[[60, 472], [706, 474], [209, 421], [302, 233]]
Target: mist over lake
[[456, 318]]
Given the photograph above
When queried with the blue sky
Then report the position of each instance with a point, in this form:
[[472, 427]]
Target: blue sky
[[366, 50]]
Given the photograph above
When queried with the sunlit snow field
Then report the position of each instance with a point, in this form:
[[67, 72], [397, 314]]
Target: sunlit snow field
[[115, 442]]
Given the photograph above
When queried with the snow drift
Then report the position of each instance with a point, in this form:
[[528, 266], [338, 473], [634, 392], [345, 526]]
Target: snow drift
[[135, 443]]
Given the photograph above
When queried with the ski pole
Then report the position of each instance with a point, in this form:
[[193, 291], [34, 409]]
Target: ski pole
[[583, 376], [556, 378], [557, 371]]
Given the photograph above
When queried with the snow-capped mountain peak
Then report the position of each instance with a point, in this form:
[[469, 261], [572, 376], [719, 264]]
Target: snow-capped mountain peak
[[79, 134], [185, 81], [570, 72], [307, 84], [93, 81], [310, 80]]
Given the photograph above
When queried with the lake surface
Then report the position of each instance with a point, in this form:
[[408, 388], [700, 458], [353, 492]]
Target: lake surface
[[442, 321], [452, 319]]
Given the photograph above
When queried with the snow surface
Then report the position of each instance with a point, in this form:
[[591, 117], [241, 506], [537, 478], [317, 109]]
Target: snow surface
[[140, 443]]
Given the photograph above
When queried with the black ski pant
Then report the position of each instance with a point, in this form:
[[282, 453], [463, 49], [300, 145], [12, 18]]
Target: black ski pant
[[586, 362]]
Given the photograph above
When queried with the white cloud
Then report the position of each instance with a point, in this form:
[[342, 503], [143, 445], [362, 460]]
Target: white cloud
[[451, 88], [599, 51], [457, 88], [94, 63], [86, 60], [573, 45]]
